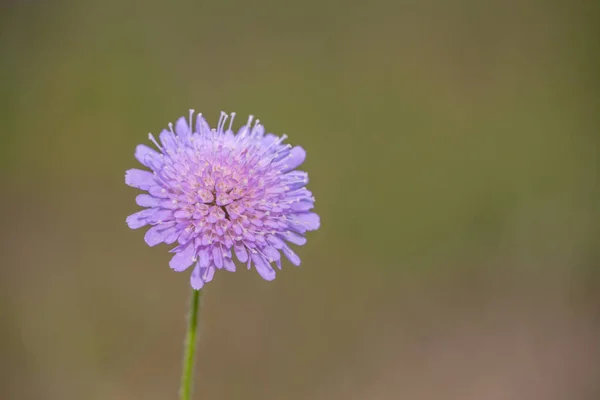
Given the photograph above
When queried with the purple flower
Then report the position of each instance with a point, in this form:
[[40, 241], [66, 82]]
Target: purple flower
[[218, 193]]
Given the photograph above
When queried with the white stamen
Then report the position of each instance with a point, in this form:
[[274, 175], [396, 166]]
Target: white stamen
[[151, 137], [256, 123], [277, 142], [275, 155], [221, 122], [231, 120], [190, 129], [269, 259]]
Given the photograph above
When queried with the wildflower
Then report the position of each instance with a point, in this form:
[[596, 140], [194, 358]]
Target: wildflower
[[217, 193]]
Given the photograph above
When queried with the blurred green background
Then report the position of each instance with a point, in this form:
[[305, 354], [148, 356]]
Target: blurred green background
[[453, 151]]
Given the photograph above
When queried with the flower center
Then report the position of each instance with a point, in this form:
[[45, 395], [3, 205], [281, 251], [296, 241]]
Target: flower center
[[214, 203]]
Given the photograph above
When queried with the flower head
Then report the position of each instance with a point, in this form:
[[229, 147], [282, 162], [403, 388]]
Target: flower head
[[218, 193]]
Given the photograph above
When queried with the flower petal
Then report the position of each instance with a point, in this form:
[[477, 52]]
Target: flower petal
[[183, 259], [196, 278], [293, 257], [303, 205], [271, 253], [201, 125], [258, 130], [173, 236], [144, 153], [204, 257], [185, 234], [159, 191], [275, 241], [294, 159], [182, 129], [139, 219], [262, 267], [228, 264], [208, 273], [140, 179], [294, 238], [161, 216], [303, 222], [145, 200], [240, 252], [167, 138], [158, 233], [217, 256]]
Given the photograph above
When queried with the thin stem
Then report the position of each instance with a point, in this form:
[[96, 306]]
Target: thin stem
[[187, 374]]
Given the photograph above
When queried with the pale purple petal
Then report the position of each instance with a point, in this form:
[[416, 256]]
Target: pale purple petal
[[169, 204], [294, 238], [204, 257], [185, 235], [240, 252], [208, 273], [173, 236], [217, 257], [303, 222], [182, 260], [158, 234], [257, 131], [139, 179], [161, 216], [196, 278], [302, 206], [294, 159], [272, 253], [159, 191], [181, 128], [262, 267], [145, 200], [139, 219], [144, 153], [293, 257], [275, 241], [167, 138], [228, 264], [202, 125]]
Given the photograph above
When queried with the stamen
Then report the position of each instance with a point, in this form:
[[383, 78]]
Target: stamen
[[268, 259], [231, 120], [277, 142], [200, 131], [275, 155], [256, 123], [190, 122], [221, 122], [151, 137]]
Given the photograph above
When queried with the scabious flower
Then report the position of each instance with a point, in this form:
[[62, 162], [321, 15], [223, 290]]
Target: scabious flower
[[217, 193]]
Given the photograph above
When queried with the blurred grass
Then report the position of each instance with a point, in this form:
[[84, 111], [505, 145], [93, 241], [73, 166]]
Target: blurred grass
[[452, 149]]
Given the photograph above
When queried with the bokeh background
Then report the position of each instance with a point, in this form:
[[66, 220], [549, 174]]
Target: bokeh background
[[453, 151]]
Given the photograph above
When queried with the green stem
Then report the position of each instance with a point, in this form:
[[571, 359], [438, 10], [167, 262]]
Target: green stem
[[187, 374]]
